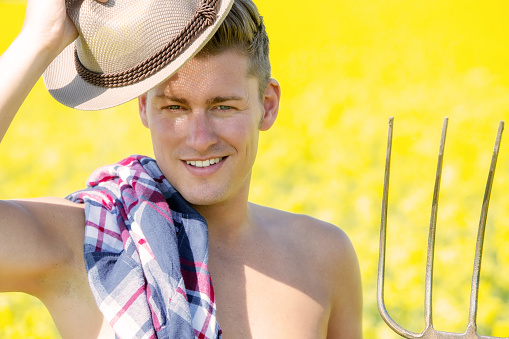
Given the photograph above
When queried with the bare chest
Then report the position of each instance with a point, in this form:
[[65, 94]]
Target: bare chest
[[269, 298]]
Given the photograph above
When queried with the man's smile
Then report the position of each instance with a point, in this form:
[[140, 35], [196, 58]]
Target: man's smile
[[204, 163]]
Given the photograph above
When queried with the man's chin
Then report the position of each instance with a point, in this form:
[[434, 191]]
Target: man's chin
[[201, 200]]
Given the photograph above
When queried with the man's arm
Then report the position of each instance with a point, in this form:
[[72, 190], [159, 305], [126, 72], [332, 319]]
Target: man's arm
[[41, 241], [46, 31], [346, 310], [25, 237], [37, 237]]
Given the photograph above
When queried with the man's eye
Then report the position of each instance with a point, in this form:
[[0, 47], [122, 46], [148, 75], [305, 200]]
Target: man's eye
[[224, 107], [173, 107]]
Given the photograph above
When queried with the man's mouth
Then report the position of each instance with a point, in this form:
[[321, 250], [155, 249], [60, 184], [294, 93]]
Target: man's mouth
[[204, 163]]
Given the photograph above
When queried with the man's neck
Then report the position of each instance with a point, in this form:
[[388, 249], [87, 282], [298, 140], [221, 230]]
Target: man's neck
[[229, 222]]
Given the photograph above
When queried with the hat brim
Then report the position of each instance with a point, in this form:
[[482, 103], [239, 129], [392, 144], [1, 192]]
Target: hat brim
[[67, 87]]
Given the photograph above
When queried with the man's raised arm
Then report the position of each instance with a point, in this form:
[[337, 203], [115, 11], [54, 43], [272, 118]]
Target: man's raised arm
[[38, 235], [25, 231], [46, 31]]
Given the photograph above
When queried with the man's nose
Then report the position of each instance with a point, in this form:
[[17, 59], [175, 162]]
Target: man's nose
[[201, 134]]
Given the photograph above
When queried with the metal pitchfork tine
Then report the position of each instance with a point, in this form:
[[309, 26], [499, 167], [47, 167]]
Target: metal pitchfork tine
[[429, 332]]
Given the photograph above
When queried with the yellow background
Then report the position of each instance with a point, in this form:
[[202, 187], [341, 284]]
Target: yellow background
[[344, 68]]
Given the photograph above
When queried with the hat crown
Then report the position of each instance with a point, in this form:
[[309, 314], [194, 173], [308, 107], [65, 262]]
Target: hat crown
[[126, 47], [120, 34]]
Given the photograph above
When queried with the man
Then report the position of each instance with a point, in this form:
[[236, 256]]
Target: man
[[275, 274]]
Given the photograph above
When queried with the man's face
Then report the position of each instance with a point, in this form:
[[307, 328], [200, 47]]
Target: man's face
[[204, 122]]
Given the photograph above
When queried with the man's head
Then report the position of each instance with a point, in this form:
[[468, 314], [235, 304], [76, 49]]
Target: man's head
[[205, 119], [243, 30]]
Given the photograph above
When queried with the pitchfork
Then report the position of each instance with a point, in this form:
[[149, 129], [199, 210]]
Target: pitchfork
[[429, 332]]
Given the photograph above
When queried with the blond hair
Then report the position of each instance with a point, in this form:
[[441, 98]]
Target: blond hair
[[243, 30]]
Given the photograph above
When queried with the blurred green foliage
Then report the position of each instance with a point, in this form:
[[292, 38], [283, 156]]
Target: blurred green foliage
[[344, 68]]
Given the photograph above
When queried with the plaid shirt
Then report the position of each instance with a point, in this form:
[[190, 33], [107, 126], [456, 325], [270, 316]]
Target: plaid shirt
[[146, 253]]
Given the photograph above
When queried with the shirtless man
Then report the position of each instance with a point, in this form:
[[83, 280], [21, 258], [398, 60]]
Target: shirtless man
[[275, 274]]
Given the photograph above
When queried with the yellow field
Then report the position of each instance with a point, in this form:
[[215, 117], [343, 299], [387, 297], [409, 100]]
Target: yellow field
[[344, 68]]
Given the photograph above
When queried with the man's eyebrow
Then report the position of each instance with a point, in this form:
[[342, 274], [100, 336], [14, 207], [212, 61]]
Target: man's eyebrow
[[219, 99], [174, 99]]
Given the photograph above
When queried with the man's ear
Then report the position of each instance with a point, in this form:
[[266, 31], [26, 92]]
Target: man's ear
[[271, 99], [142, 107]]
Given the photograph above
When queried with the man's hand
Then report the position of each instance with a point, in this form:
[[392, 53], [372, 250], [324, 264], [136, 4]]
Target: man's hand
[[47, 23]]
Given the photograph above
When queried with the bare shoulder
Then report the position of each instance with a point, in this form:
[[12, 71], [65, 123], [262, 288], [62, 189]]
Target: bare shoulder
[[329, 257], [326, 247], [326, 240]]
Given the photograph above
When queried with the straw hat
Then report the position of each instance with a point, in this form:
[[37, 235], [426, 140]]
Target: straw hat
[[127, 47]]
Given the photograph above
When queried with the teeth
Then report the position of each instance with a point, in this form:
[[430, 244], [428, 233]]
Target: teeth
[[206, 163]]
